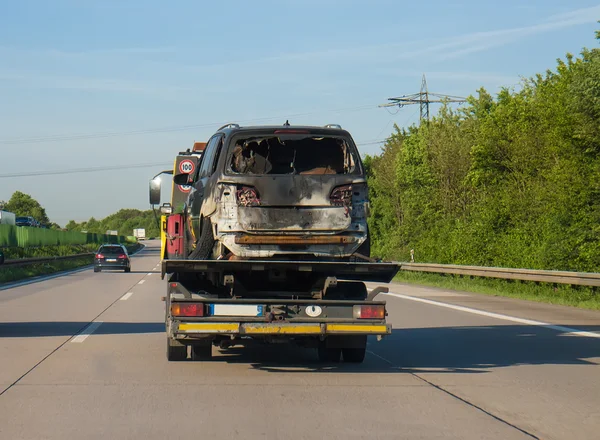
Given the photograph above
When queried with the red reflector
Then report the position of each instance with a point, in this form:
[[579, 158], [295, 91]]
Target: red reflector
[[99, 256], [173, 285], [370, 312], [187, 309]]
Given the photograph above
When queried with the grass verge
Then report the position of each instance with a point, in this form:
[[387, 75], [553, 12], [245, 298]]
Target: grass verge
[[566, 295], [9, 274]]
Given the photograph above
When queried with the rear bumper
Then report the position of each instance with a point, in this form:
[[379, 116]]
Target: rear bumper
[[112, 265], [191, 329]]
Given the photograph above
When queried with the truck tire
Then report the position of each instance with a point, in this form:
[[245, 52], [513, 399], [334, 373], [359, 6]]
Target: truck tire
[[206, 242], [176, 352], [355, 352], [127, 269], [354, 355], [328, 354], [202, 352], [96, 269]]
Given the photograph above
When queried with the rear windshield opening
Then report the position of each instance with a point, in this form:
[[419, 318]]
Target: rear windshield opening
[[112, 250], [309, 155]]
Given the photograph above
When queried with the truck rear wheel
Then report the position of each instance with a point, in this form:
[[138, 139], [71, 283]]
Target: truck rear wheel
[[176, 351], [354, 355], [355, 350], [202, 352], [329, 354]]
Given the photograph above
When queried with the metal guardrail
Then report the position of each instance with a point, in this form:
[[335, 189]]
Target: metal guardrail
[[543, 276], [27, 261]]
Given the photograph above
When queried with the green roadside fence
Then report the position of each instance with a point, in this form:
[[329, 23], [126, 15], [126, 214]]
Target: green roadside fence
[[23, 236]]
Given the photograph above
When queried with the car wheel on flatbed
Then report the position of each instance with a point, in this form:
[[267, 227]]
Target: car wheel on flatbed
[[176, 351], [96, 269], [201, 352], [127, 269]]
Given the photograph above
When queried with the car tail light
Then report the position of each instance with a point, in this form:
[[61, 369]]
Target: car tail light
[[341, 196], [187, 309], [122, 257], [99, 256], [369, 312], [247, 196]]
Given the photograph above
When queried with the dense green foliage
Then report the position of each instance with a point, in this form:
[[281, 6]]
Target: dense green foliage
[[124, 221], [23, 205], [511, 180]]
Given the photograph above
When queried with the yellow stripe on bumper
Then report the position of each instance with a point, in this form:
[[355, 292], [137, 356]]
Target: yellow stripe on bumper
[[282, 329], [209, 327], [357, 328]]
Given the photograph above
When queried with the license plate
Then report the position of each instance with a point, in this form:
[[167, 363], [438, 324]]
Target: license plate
[[112, 260], [235, 310]]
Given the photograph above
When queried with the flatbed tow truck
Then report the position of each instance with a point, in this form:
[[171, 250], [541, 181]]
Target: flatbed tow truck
[[230, 299]]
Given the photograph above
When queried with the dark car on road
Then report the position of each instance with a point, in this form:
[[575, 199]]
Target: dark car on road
[[112, 257]]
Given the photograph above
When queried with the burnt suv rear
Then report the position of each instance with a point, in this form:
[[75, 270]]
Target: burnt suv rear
[[291, 192]]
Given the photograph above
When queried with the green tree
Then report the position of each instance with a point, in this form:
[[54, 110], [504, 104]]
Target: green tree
[[24, 205]]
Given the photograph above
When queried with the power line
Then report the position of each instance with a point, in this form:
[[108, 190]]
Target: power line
[[114, 167], [83, 170], [74, 137]]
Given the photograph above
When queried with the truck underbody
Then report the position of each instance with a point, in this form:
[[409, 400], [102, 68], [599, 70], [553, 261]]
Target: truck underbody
[[324, 305]]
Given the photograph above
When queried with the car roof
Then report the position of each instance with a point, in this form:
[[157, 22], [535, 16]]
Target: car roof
[[319, 130]]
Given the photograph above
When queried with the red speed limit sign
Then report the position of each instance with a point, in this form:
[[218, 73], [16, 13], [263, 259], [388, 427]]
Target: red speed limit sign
[[186, 166]]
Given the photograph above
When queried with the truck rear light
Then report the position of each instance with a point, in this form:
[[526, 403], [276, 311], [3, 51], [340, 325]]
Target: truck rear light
[[341, 196], [247, 196], [187, 309], [99, 256], [369, 312]]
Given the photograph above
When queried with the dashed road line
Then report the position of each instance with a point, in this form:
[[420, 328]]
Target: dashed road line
[[126, 296], [142, 282], [87, 331]]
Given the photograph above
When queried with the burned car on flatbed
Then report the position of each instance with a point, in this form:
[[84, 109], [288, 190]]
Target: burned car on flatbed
[[278, 192]]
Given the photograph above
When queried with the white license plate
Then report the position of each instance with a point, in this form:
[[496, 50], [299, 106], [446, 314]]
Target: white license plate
[[112, 260], [235, 310]]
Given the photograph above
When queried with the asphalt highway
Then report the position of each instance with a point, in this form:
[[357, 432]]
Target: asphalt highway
[[83, 356]]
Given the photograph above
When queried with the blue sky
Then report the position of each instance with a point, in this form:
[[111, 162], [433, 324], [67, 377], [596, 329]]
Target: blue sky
[[82, 67]]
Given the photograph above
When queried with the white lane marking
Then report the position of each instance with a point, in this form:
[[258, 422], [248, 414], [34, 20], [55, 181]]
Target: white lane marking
[[149, 273], [560, 328], [142, 282], [126, 296], [87, 331]]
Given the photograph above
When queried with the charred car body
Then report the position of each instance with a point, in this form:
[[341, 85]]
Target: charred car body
[[274, 217], [278, 192]]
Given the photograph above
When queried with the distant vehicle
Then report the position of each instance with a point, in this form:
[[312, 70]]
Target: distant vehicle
[[139, 233], [112, 232], [112, 257], [26, 221], [7, 218]]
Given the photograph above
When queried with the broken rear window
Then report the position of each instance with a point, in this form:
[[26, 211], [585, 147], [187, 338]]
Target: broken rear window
[[306, 155]]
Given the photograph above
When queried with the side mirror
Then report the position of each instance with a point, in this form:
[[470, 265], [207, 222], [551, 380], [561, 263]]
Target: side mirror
[[182, 179], [155, 191]]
